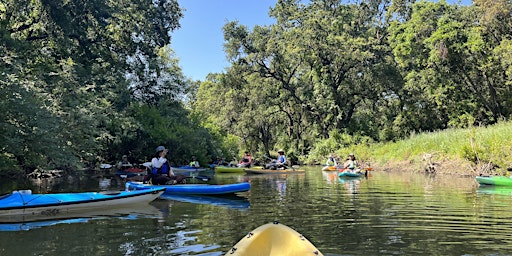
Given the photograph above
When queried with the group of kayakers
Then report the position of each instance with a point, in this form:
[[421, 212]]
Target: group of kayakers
[[161, 172], [350, 163]]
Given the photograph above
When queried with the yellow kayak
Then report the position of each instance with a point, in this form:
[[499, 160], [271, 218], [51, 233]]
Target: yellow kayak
[[330, 168], [274, 239], [227, 169]]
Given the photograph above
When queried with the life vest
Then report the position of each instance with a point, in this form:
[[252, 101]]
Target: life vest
[[352, 164], [164, 169], [281, 159], [246, 159]]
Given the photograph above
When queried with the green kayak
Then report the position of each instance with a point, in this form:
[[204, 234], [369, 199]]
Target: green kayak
[[227, 169], [494, 180]]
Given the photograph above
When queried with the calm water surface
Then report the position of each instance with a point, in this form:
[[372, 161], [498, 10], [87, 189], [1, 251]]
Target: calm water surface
[[384, 214]]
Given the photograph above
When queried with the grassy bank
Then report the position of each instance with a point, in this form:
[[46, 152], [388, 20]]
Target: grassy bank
[[458, 151]]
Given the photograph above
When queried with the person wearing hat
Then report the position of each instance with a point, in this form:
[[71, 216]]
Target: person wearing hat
[[161, 172], [281, 158], [124, 163], [280, 162], [351, 162]]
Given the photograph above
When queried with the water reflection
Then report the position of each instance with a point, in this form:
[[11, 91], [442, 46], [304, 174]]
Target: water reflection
[[496, 190], [330, 176], [351, 185], [126, 212], [228, 201], [386, 214], [104, 183]]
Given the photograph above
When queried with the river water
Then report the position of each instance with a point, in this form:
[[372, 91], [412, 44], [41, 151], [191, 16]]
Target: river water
[[387, 213]]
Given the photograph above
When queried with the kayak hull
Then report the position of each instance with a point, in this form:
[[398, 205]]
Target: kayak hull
[[24, 203], [274, 239], [187, 169], [194, 189], [494, 180], [227, 169], [346, 174], [330, 168]]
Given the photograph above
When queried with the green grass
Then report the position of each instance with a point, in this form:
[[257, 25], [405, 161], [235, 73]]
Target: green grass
[[476, 145]]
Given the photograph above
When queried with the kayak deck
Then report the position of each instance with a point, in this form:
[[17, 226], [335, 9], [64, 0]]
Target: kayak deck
[[274, 239], [194, 189], [494, 180], [44, 206], [227, 169]]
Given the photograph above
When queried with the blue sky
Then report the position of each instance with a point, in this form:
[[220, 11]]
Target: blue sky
[[199, 42]]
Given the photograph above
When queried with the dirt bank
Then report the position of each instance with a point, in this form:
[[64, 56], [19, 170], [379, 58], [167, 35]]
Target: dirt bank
[[442, 166]]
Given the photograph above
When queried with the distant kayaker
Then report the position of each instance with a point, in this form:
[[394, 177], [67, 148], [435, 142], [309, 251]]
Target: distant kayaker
[[331, 161], [124, 163], [246, 160], [161, 172], [281, 158], [194, 162], [279, 163], [351, 163], [233, 162]]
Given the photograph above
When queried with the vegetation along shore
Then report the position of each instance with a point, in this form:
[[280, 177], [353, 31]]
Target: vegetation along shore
[[405, 85], [468, 152]]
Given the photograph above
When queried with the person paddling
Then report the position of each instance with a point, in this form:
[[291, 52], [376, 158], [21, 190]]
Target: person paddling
[[246, 160], [194, 163], [351, 163], [280, 162], [161, 172], [331, 161], [124, 163]]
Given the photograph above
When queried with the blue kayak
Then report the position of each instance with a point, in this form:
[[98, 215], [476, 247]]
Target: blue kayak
[[24, 203], [350, 174], [194, 189], [186, 168]]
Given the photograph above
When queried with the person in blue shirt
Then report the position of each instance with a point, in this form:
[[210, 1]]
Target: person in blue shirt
[[279, 163], [281, 159]]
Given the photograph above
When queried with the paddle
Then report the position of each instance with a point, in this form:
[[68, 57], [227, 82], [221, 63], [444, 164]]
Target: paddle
[[105, 166], [199, 177]]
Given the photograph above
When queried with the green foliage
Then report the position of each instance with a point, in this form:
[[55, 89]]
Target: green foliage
[[72, 69], [376, 71], [478, 145], [87, 81]]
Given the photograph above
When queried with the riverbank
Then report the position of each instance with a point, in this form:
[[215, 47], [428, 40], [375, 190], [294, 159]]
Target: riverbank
[[466, 152], [448, 167]]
